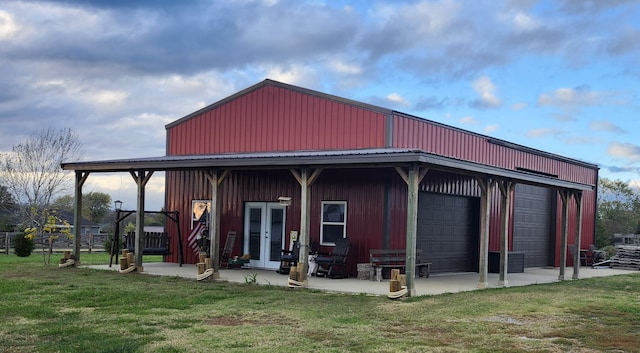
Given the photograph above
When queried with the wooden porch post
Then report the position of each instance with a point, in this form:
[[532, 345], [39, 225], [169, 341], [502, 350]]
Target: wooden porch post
[[81, 177], [305, 180], [506, 188], [565, 196], [141, 178], [578, 236], [413, 179], [214, 221], [485, 184]]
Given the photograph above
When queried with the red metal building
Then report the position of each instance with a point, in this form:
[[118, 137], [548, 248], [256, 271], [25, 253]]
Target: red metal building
[[275, 117], [379, 177]]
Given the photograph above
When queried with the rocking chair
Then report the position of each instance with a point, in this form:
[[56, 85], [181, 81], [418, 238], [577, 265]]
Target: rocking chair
[[327, 263], [289, 258]]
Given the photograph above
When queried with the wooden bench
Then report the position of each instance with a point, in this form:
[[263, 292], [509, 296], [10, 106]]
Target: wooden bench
[[396, 258], [155, 243]]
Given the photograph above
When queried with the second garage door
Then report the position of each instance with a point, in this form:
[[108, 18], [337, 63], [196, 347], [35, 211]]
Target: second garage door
[[448, 231], [533, 222]]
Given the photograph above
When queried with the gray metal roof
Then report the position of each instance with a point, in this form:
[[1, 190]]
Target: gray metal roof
[[362, 158]]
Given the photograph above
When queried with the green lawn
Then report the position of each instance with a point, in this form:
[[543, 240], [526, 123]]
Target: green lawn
[[48, 309]]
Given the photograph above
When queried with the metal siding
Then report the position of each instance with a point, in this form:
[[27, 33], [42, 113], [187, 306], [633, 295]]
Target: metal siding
[[364, 192], [588, 230], [362, 189], [276, 119], [449, 142]]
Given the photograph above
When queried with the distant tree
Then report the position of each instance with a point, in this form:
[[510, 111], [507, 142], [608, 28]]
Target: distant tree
[[33, 175], [155, 219], [96, 206], [64, 203], [618, 210], [7, 202], [8, 208]]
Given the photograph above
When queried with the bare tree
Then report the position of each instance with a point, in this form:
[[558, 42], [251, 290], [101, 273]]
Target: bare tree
[[33, 175]]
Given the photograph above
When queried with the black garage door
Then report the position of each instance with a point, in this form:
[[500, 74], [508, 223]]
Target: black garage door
[[448, 231], [533, 223]]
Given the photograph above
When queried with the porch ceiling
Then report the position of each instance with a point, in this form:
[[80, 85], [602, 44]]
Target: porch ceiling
[[361, 158]]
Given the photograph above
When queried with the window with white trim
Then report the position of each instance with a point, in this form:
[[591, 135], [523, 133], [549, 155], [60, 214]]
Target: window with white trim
[[333, 224]]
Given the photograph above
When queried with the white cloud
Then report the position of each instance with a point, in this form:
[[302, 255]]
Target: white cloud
[[8, 26], [106, 97], [543, 132], [519, 106], [525, 22], [397, 98], [422, 18], [342, 67], [624, 150], [293, 74], [491, 128], [468, 120], [581, 96], [486, 90], [602, 125], [520, 21]]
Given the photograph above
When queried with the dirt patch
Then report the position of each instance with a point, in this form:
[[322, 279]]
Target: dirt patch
[[506, 320], [239, 321]]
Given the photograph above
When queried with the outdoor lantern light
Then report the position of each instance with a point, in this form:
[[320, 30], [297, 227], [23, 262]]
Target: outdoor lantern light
[[118, 205], [284, 200]]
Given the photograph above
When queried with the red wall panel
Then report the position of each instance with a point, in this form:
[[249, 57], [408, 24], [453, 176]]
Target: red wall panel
[[362, 189], [276, 119], [439, 139]]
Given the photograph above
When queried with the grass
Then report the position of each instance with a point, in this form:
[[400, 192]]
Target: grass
[[47, 309]]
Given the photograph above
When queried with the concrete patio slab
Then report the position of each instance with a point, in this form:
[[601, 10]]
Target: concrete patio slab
[[436, 284]]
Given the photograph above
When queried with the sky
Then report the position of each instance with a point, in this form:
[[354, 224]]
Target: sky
[[559, 76]]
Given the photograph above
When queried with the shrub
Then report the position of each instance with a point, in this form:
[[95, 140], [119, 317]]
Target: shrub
[[23, 243]]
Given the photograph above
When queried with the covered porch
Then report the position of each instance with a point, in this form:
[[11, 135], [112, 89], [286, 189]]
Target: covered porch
[[412, 165]]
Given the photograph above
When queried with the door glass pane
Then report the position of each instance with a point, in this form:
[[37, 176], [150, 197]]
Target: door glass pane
[[255, 226], [276, 230]]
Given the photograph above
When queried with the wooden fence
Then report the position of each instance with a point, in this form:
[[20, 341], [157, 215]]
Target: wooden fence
[[88, 242]]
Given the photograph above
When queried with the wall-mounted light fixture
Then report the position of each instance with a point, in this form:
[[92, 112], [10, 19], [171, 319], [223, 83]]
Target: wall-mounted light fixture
[[284, 200]]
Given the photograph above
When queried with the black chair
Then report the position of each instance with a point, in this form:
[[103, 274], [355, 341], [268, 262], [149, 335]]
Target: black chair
[[289, 258], [328, 263]]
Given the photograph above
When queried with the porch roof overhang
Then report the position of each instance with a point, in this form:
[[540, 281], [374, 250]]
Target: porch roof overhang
[[360, 158]]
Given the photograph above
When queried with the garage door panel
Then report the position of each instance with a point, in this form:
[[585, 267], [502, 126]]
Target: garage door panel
[[448, 231], [532, 224]]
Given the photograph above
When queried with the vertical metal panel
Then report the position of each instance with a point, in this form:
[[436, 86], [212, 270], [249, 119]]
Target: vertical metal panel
[[446, 141], [362, 189], [588, 225], [277, 119]]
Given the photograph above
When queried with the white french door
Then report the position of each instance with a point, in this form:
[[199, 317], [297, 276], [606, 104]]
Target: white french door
[[264, 233]]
